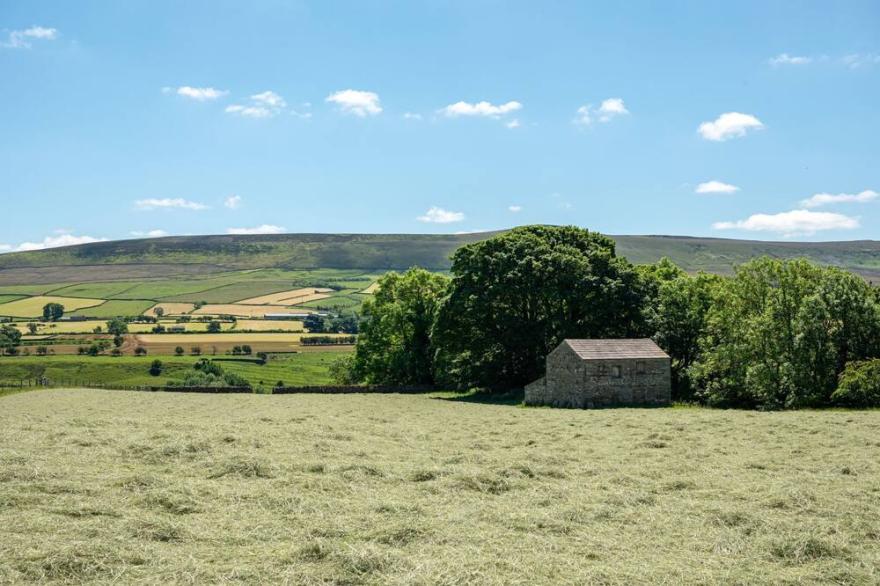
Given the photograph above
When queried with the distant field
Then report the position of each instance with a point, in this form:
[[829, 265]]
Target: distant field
[[221, 343], [293, 297], [371, 289], [171, 308], [95, 290], [33, 306], [245, 310], [308, 368], [258, 325], [8, 298], [230, 293], [121, 487], [115, 308]]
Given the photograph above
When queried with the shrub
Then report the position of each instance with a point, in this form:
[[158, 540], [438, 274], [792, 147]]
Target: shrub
[[140, 351], [156, 368], [179, 351], [859, 385], [214, 327], [196, 350]]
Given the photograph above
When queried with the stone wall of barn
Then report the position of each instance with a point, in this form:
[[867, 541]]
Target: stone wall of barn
[[573, 382]]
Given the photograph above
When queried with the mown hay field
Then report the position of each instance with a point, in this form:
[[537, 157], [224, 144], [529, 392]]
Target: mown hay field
[[112, 486], [239, 310], [170, 308], [292, 297], [33, 306]]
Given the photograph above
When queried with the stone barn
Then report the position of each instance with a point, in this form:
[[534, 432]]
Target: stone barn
[[603, 373]]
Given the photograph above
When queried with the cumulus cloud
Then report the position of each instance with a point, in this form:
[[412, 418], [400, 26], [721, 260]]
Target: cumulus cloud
[[232, 202], [199, 94], [716, 187], [22, 39], [168, 203], [513, 123], [786, 59], [437, 215], [262, 105], [54, 242], [793, 223], [5, 247], [729, 125], [607, 111], [822, 199], [514, 209], [486, 109], [263, 229], [356, 102], [149, 233]]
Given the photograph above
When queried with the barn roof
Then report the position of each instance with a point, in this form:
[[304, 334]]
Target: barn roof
[[610, 349]]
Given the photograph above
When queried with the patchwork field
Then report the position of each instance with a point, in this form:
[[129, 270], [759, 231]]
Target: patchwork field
[[33, 306], [239, 310], [113, 308], [171, 308], [293, 297], [111, 486]]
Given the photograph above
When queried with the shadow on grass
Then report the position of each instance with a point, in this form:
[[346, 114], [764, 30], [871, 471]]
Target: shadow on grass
[[512, 398]]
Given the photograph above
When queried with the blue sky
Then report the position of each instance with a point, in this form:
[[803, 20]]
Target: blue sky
[[747, 119]]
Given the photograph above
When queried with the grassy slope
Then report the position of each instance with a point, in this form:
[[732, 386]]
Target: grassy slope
[[374, 251], [308, 368], [108, 486]]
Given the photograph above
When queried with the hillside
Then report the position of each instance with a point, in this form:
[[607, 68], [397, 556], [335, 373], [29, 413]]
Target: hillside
[[197, 255]]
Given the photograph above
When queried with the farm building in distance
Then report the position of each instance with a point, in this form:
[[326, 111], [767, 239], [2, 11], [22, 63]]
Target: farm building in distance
[[600, 373]]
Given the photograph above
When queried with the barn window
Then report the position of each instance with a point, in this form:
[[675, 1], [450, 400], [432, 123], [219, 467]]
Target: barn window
[[640, 367], [615, 371]]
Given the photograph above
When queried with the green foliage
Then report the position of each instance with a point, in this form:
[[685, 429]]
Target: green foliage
[[10, 338], [117, 326], [53, 311], [395, 345], [516, 296], [780, 332], [214, 327], [315, 324], [859, 385], [342, 370]]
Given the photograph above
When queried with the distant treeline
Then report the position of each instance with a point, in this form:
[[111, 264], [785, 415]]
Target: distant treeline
[[777, 334], [327, 340]]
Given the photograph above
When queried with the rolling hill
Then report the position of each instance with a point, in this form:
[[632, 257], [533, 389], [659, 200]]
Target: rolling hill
[[199, 255]]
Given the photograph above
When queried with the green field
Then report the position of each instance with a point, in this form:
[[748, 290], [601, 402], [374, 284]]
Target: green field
[[307, 368], [8, 298], [115, 308], [126, 487]]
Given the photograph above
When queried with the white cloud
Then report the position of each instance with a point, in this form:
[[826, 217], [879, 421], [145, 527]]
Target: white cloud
[[514, 209], [168, 203], [716, 187], [822, 199], [856, 60], [5, 247], [606, 112], [263, 229], [729, 125], [56, 241], [437, 215], [356, 102], [263, 105], [22, 39], [150, 233], [484, 108], [513, 123], [793, 223], [199, 94], [232, 202], [786, 59]]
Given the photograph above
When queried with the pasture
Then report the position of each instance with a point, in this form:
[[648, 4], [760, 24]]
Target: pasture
[[33, 306], [293, 297], [112, 486]]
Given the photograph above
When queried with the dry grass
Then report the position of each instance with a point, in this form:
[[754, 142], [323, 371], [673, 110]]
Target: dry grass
[[104, 486], [372, 288], [33, 306], [289, 297], [260, 325], [170, 308], [240, 310]]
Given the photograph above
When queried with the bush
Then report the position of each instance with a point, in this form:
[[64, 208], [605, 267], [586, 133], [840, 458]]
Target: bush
[[179, 351], [859, 385], [156, 368], [140, 351]]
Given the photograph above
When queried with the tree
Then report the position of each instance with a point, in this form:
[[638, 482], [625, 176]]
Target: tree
[[344, 324], [32, 328], [246, 350], [53, 311], [140, 351], [859, 385], [178, 351], [156, 368], [10, 338], [395, 345], [516, 296], [159, 311], [315, 324], [117, 326], [196, 350], [214, 327]]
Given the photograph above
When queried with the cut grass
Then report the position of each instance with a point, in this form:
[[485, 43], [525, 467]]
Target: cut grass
[[171, 308], [248, 287], [33, 306], [104, 486], [95, 290], [8, 298], [292, 297]]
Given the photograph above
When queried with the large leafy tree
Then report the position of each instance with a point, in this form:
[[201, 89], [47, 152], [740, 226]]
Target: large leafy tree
[[10, 338], [516, 296], [395, 344], [53, 311]]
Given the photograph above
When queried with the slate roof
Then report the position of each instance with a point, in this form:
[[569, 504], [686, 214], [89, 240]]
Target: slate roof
[[618, 348]]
